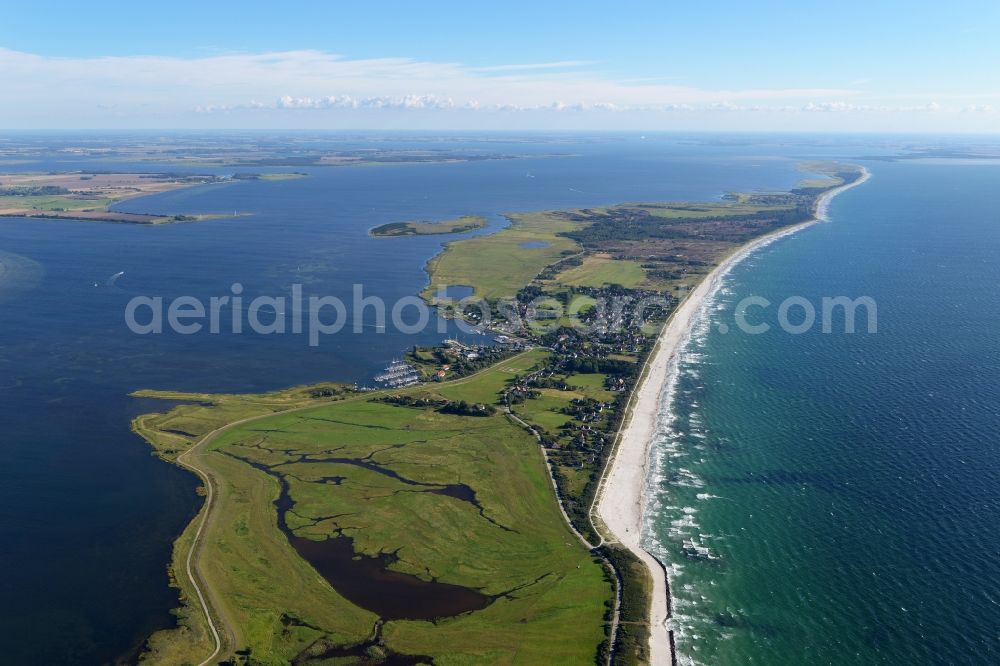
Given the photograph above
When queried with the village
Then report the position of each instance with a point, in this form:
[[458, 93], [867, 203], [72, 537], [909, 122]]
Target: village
[[575, 399]]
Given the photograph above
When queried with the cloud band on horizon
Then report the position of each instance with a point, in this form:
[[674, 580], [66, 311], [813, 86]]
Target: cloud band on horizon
[[173, 91]]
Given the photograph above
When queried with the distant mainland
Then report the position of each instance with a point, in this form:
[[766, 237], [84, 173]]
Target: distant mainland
[[79, 195]]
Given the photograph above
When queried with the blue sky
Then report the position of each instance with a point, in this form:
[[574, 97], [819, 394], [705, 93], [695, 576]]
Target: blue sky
[[846, 65]]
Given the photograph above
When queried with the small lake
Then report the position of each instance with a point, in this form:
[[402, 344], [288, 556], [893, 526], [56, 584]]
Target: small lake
[[458, 291]]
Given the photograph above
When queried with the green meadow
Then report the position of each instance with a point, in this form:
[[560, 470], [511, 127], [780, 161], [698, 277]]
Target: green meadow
[[500, 264], [513, 543], [53, 202], [598, 271]]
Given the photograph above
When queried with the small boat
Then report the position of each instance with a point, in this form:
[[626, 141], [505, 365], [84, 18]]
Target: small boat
[[398, 374]]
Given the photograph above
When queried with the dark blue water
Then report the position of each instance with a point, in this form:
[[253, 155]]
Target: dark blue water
[[87, 516], [850, 483]]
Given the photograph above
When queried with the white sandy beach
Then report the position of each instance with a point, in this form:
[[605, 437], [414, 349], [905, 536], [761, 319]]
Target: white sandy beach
[[622, 497]]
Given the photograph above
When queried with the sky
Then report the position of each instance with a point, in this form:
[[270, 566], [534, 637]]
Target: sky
[[769, 65]]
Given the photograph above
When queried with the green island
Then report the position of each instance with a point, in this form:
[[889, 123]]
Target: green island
[[450, 521], [456, 225]]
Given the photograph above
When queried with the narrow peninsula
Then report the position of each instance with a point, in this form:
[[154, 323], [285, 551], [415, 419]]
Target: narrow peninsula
[[493, 501]]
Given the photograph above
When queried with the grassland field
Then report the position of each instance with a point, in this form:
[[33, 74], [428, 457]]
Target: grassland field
[[260, 581], [500, 264], [598, 271]]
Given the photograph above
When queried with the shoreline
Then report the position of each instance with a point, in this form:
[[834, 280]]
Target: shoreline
[[622, 495]]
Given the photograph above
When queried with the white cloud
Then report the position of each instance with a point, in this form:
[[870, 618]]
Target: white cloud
[[348, 102], [311, 88], [844, 107], [318, 80], [561, 64]]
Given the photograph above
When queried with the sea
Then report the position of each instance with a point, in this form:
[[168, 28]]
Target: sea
[[846, 484]]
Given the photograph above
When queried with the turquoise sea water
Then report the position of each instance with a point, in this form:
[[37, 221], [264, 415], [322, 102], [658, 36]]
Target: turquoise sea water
[[850, 484]]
